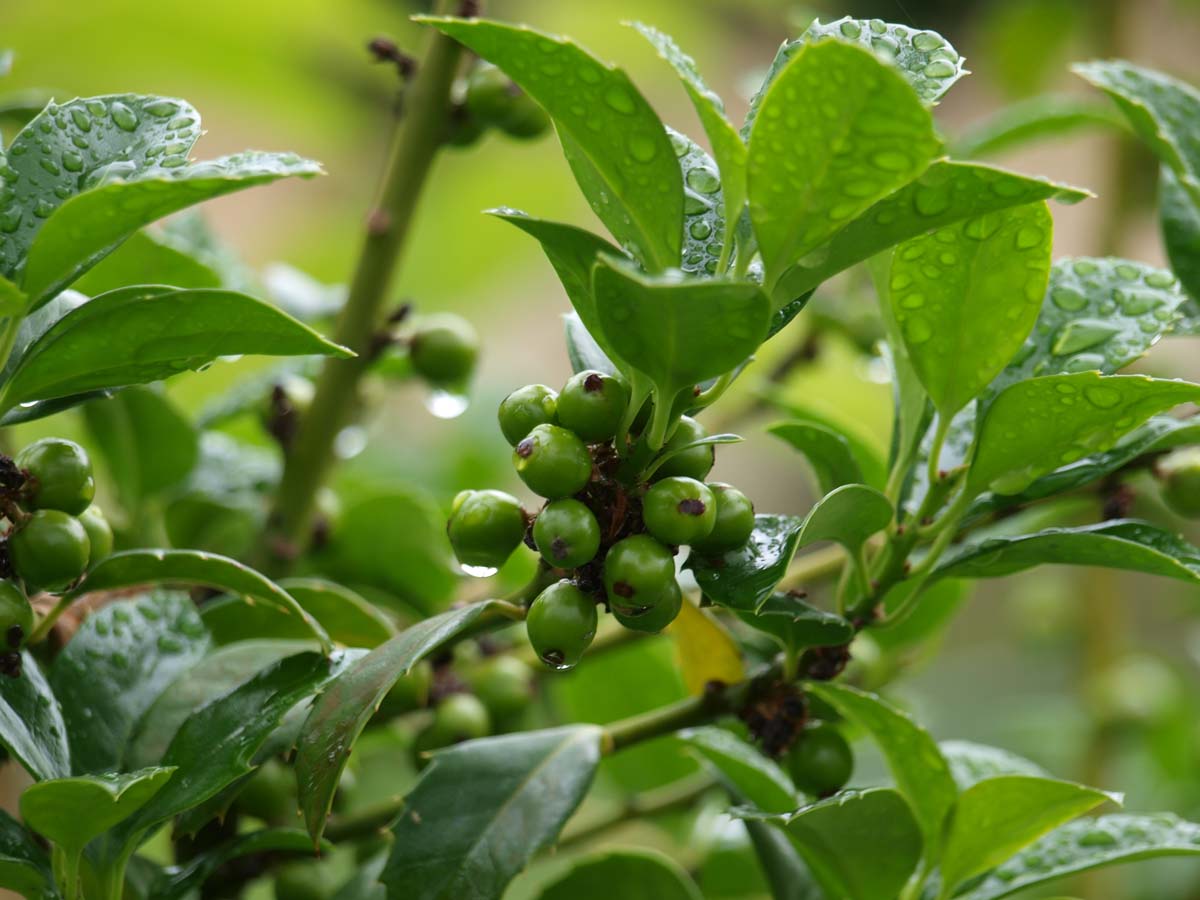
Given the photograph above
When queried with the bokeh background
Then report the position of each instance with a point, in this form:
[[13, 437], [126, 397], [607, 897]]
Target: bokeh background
[[1094, 674]]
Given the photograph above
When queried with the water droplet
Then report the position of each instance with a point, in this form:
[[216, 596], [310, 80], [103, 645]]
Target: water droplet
[[1127, 272], [642, 148], [981, 227], [10, 220], [162, 109], [1067, 299], [917, 330], [703, 180], [480, 571], [1084, 267], [931, 201], [878, 26], [72, 161], [850, 29], [43, 209], [1102, 396], [1082, 334], [891, 160], [927, 40], [940, 68], [1160, 279], [1028, 236], [1097, 837], [123, 116], [912, 301], [350, 441], [619, 99], [700, 230], [446, 405]]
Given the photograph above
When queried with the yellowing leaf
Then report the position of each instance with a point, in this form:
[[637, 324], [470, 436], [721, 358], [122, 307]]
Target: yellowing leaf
[[705, 650]]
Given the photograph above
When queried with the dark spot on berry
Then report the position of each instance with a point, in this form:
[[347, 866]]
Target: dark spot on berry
[[559, 548], [623, 589], [10, 665], [692, 507], [525, 448], [14, 636], [593, 383]]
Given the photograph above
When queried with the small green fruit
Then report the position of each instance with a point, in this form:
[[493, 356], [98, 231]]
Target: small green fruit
[[270, 794], [561, 624], [16, 616], [485, 527], [460, 717], [638, 573], [60, 475], [304, 881], [659, 616], [99, 532], [734, 524], [696, 462], [592, 405], [495, 100], [525, 409], [49, 551], [503, 684], [820, 762], [553, 462], [566, 534], [679, 510], [1180, 474], [444, 348]]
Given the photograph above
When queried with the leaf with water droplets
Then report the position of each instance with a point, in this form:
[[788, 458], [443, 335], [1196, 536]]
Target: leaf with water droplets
[[24, 865], [115, 666], [142, 334], [1088, 844], [31, 723], [838, 130], [965, 296], [704, 210], [148, 251], [796, 624], [1126, 544], [612, 138], [1033, 427], [971, 763], [1179, 216], [745, 578]]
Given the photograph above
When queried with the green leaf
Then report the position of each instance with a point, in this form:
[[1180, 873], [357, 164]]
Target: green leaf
[[847, 515], [965, 297], [920, 770], [861, 113], [483, 808], [945, 194], [827, 451], [24, 865], [1179, 216], [1089, 844], [996, 817], [147, 251], [1117, 544], [796, 624], [180, 881], [134, 567], [88, 226], [742, 768], [704, 211], [781, 863], [727, 144], [31, 723], [346, 617], [859, 845], [138, 335], [121, 659], [628, 874], [12, 298], [1035, 426], [862, 444], [971, 763], [345, 707], [743, 579], [583, 350], [927, 622], [613, 139], [1038, 117]]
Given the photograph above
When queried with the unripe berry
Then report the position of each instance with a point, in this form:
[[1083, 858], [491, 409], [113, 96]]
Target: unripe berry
[[460, 717], [525, 409], [661, 614], [59, 475], [16, 616], [494, 99], [592, 404], [99, 532], [1180, 474], [485, 527], [566, 534], [503, 684], [49, 551], [553, 462], [561, 624], [679, 510], [638, 572], [443, 349], [820, 762], [696, 462], [734, 523]]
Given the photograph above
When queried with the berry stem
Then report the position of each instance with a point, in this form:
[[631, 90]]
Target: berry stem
[[716, 701], [670, 797], [47, 621]]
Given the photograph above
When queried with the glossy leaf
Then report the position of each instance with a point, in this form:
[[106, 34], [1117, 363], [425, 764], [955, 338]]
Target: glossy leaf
[[1116, 544], [628, 874], [12, 298], [1036, 118], [920, 770], [782, 865], [743, 579], [1089, 844], [946, 193], [704, 209], [1035, 426], [827, 451], [180, 881], [971, 763], [24, 865], [133, 567], [742, 768], [796, 624], [483, 808], [965, 296], [583, 350], [1179, 216], [996, 817], [31, 723], [860, 111], [121, 659], [147, 251], [138, 335], [613, 139], [706, 651], [345, 707], [859, 845], [847, 515]]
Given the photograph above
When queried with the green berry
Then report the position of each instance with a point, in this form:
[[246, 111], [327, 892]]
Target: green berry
[[592, 405], [1180, 474], [305, 881], [638, 573], [460, 717], [99, 532], [16, 616], [494, 99], [553, 462], [659, 616], [463, 129], [525, 409], [270, 794], [679, 510], [566, 534], [561, 624], [696, 462], [59, 475], [735, 520], [503, 684], [443, 349], [820, 762], [485, 527], [49, 551]]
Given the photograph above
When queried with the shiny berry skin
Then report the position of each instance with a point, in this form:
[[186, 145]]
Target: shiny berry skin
[[493, 99], [694, 463], [49, 551], [443, 349], [659, 616], [566, 534], [525, 409], [638, 572], [460, 717], [679, 510], [1180, 474], [553, 462], [820, 762], [485, 527], [591, 404], [59, 475], [99, 532], [503, 684], [561, 624], [735, 520], [16, 616]]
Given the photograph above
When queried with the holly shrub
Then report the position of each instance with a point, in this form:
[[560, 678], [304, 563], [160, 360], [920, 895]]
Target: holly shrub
[[231, 646]]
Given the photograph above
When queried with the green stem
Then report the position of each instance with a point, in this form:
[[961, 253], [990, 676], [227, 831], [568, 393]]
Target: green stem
[[417, 140], [47, 621], [668, 719], [668, 798]]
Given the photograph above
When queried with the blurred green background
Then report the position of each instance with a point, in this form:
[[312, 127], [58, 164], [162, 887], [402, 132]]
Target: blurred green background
[[1092, 674]]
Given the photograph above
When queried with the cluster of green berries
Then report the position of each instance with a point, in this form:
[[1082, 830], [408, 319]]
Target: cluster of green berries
[[54, 533], [612, 535], [489, 99]]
